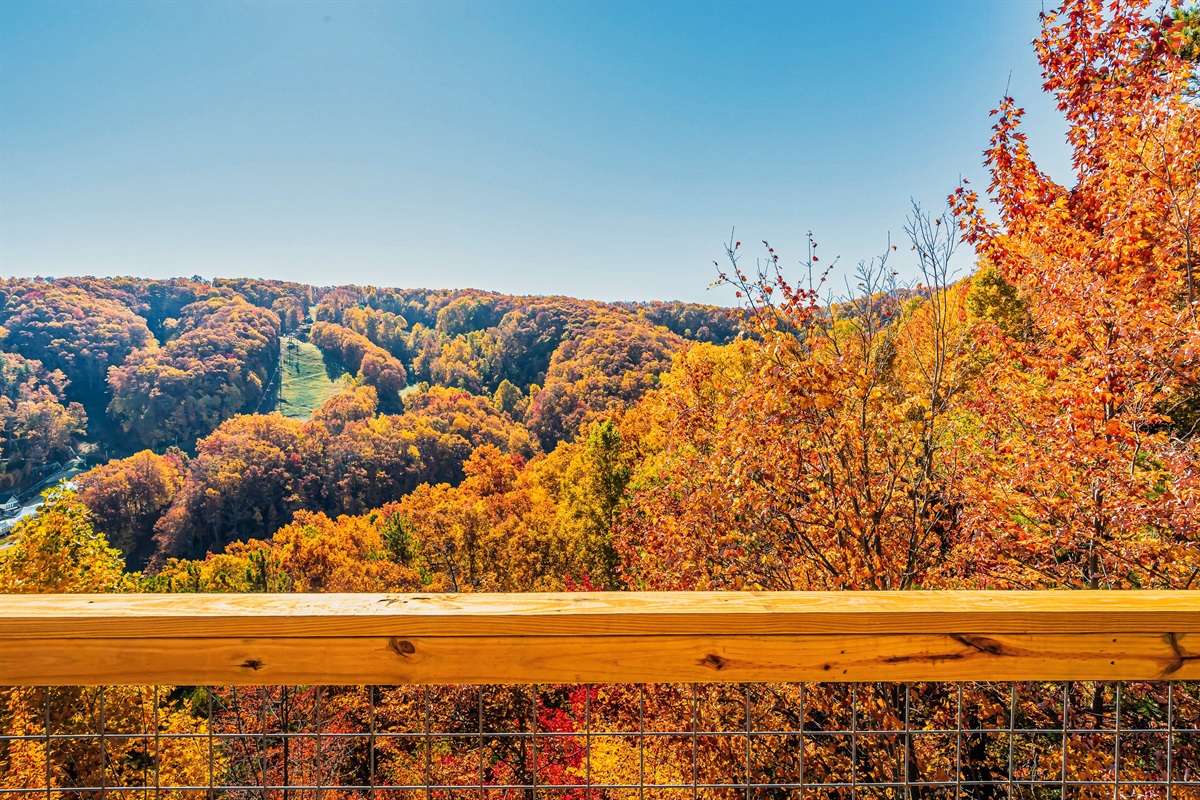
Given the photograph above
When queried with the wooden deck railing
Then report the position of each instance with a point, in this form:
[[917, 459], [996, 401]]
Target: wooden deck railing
[[598, 637]]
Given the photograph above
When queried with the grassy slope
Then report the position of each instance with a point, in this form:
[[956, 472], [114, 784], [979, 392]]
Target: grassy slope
[[306, 383]]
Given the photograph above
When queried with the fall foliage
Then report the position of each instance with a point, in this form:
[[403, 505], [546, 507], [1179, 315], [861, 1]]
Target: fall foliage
[[1085, 462], [375, 365], [1030, 425], [127, 496], [216, 366], [76, 331], [37, 425]]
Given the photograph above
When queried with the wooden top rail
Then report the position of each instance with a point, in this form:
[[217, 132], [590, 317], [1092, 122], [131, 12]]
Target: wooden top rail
[[594, 613], [622, 637]]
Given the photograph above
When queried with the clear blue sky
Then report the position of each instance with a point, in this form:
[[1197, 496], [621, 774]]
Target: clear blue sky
[[601, 150]]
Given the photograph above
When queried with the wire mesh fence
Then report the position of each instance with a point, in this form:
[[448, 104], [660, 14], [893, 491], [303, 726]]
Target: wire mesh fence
[[866, 740]]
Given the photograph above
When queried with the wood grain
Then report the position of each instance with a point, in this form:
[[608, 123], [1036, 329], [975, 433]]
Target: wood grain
[[598, 637], [595, 614], [599, 659]]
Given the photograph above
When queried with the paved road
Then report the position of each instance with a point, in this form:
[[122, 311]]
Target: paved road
[[31, 508]]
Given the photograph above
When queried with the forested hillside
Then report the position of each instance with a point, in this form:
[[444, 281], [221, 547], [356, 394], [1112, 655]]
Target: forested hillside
[[190, 373]]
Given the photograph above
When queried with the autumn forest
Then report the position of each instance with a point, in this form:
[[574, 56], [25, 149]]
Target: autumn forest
[[1029, 422]]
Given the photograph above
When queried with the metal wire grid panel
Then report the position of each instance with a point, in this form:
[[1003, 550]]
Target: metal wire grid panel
[[976, 740]]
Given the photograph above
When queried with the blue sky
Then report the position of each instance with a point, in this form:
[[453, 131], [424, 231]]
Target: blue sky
[[601, 150]]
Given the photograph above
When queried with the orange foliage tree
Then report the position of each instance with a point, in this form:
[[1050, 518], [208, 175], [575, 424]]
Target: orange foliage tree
[[1084, 467], [217, 366], [37, 426], [59, 551], [81, 332], [821, 454], [127, 496], [360, 355]]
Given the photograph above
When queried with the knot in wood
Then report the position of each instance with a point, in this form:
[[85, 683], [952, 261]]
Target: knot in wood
[[402, 647]]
